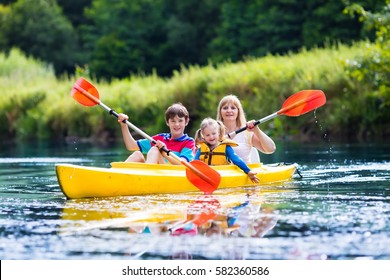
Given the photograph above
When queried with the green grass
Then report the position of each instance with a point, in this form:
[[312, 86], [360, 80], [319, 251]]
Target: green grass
[[34, 104]]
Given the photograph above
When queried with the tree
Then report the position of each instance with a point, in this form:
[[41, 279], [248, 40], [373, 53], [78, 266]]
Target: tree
[[142, 36], [39, 28], [74, 10], [257, 27], [4, 15], [190, 26], [124, 37]]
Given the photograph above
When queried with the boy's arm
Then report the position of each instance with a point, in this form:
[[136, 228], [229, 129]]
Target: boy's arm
[[187, 151], [130, 142]]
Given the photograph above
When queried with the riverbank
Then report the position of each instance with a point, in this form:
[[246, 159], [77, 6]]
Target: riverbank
[[37, 105]]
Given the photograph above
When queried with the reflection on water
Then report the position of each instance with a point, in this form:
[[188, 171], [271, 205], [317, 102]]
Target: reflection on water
[[339, 209], [184, 218], [202, 214]]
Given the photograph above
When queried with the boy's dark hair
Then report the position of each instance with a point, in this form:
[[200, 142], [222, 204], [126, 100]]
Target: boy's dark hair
[[176, 109]]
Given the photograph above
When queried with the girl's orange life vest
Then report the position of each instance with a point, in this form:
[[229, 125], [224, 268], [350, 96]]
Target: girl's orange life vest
[[217, 156]]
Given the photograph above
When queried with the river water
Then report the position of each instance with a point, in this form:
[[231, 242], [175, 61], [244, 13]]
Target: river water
[[339, 208]]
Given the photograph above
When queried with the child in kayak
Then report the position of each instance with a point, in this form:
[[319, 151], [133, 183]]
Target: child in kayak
[[176, 118], [214, 149]]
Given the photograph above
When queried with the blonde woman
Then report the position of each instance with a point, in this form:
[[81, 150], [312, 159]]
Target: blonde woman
[[232, 115]]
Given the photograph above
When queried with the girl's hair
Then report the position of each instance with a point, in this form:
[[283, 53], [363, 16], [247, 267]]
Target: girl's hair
[[232, 99], [176, 109], [206, 123]]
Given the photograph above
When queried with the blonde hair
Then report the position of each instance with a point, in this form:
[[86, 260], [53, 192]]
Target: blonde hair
[[232, 99], [206, 123]]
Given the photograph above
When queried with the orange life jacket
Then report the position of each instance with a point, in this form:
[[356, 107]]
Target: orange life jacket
[[217, 156]]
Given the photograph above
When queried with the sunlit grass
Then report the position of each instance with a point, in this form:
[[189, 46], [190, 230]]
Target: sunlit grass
[[36, 104]]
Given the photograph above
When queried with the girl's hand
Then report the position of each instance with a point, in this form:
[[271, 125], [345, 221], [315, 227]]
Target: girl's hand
[[252, 176], [122, 117]]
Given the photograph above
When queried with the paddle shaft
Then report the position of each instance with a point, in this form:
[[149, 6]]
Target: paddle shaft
[[143, 134], [263, 120], [274, 115], [112, 112]]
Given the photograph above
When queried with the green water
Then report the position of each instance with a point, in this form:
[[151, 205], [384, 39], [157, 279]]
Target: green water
[[339, 209]]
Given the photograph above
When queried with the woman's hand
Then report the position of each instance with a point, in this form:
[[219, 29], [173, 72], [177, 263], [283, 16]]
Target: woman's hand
[[261, 141], [250, 125], [252, 176]]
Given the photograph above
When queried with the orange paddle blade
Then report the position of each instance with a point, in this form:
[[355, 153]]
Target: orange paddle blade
[[203, 176], [203, 209], [302, 102], [85, 93]]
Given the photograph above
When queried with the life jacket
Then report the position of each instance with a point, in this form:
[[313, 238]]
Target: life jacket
[[217, 156]]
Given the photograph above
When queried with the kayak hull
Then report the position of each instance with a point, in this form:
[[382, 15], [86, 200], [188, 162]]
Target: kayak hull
[[130, 179]]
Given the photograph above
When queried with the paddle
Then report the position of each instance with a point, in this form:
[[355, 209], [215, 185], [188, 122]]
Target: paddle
[[201, 175], [199, 212], [297, 104]]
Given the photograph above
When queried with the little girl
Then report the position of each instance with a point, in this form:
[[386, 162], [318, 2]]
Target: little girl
[[214, 149]]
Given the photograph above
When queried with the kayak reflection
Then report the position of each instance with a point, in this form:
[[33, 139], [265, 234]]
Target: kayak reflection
[[246, 219], [236, 216]]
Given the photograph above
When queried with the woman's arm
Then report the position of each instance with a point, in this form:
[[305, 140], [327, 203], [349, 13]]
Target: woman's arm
[[260, 140]]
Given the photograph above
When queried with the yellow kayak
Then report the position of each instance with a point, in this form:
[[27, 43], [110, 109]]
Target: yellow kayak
[[129, 178]]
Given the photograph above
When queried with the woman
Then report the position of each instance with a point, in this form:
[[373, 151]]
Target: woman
[[231, 114]]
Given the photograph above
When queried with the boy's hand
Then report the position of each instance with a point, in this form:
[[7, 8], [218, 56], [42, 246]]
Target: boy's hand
[[122, 117], [160, 145], [252, 176]]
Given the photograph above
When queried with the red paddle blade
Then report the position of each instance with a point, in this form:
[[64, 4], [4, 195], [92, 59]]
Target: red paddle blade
[[85, 93], [204, 178], [302, 102], [203, 209]]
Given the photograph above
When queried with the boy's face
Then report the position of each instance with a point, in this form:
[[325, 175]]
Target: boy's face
[[177, 126]]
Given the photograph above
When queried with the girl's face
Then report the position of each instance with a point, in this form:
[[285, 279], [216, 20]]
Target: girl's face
[[176, 126], [211, 135], [229, 112]]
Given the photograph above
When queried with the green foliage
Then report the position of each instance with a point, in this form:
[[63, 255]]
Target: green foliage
[[24, 82], [39, 105], [4, 14], [371, 71], [39, 28], [120, 42], [19, 110], [16, 68], [117, 39], [74, 10]]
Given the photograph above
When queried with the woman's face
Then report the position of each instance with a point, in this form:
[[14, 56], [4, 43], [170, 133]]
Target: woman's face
[[229, 112]]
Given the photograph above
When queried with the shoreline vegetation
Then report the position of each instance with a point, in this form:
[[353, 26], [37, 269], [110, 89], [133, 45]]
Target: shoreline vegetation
[[36, 105]]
